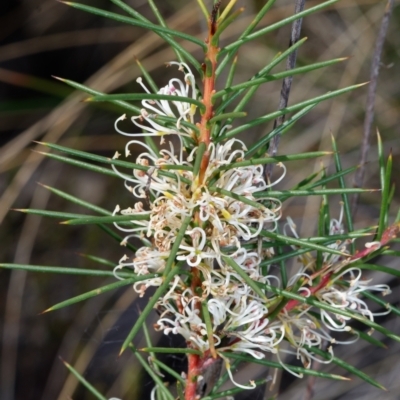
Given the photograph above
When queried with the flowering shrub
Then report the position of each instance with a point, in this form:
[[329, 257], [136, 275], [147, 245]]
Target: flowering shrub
[[227, 274], [218, 224]]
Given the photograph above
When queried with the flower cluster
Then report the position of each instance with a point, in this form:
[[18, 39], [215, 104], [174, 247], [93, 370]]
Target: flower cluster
[[222, 242]]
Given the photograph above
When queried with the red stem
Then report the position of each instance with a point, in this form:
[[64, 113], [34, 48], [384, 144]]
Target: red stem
[[193, 372], [196, 362], [389, 234]]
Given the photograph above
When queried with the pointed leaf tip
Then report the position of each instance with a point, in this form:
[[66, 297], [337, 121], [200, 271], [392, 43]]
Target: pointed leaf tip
[[343, 378], [40, 152], [43, 185], [64, 362]]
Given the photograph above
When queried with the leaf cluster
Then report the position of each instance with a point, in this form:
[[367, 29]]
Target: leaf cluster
[[317, 184]]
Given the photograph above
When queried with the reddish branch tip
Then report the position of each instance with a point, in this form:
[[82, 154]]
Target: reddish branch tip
[[213, 18]]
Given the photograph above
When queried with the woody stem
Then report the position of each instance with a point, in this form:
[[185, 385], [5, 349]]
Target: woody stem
[[209, 68]]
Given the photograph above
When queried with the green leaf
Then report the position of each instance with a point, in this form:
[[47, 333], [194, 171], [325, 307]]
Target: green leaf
[[84, 220], [86, 89], [116, 237], [266, 160], [345, 198], [283, 111], [223, 378], [236, 196], [353, 331], [281, 129], [381, 268], [105, 171], [147, 76], [157, 13], [149, 307], [233, 264], [246, 32], [283, 257], [140, 23], [199, 157], [203, 8], [152, 358], [147, 96], [70, 271], [229, 79], [92, 207], [159, 383], [113, 161], [382, 302], [368, 338], [148, 139], [76, 200], [127, 106], [171, 350], [282, 265], [246, 98], [230, 392], [257, 18], [230, 115], [169, 370], [310, 192], [305, 182], [329, 178], [209, 327], [53, 214], [334, 310], [277, 25], [84, 382], [81, 164], [274, 364], [179, 388], [177, 243], [96, 292], [346, 366], [384, 209], [273, 77], [99, 260], [299, 242], [179, 50]]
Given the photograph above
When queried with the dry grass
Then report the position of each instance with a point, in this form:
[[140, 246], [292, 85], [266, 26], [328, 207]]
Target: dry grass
[[40, 38]]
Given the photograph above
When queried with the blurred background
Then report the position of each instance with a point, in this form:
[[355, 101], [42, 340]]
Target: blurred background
[[44, 38]]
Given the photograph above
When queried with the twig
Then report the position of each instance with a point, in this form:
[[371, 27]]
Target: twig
[[310, 389], [286, 84], [370, 107]]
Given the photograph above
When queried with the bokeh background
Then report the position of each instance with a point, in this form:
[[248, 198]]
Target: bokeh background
[[41, 38]]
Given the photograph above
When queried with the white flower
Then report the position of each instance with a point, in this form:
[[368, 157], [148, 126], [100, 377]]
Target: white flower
[[180, 110], [226, 222], [343, 293], [196, 253]]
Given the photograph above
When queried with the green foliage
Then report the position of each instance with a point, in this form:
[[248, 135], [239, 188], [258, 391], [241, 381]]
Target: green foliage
[[314, 252]]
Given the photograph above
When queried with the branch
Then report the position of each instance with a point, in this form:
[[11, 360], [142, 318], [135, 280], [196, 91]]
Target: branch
[[369, 114]]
